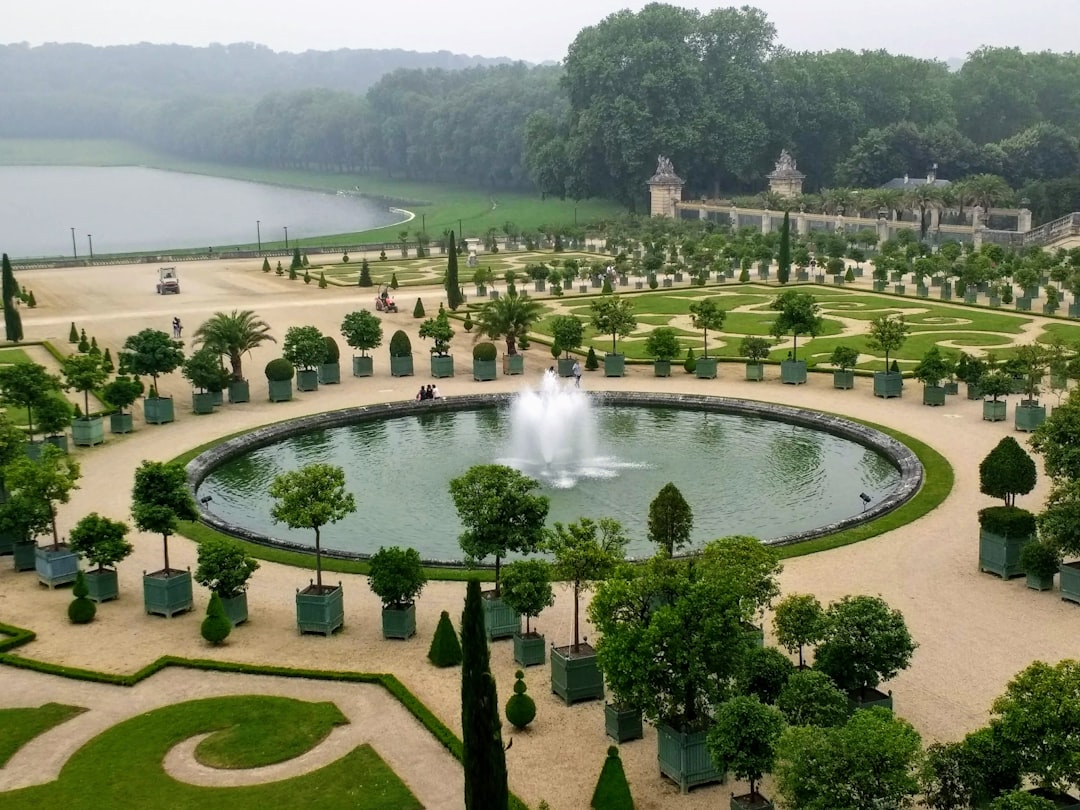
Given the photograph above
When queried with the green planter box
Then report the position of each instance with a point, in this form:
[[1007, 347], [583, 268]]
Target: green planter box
[[755, 372], [203, 403], [530, 649], [103, 584], [442, 366], [614, 365], [167, 593], [575, 675], [236, 608], [1023, 304], [879, 286], [1001, 555], [239, 391], [121, 423], [1037, 583], [307, 379], [1029, 414], [59, 441], [802, 275], [320, 612], [363, 366], [899, 289], [7, 541], [971, 296], [844, 380], [56, 566], [329, 373], [1074, 309], [513, 364], [158, 411], [1049, 309], [661, 368], [399, 622], [972, 391], [706, 368], [565, 366], [217, 397], [793, 372], [1031, 292], [922, 291], [279, 390], [499, 620], [933, 395], [88, 431], [483, 370], [621, 724], [868, 697], [1069, 580], [23, 556], [888, 384], [538, 285], [838, 281], [994, 301], [994, 410], [951, 388], [748, 802], [684, 758], [401, 366], [946, 291]]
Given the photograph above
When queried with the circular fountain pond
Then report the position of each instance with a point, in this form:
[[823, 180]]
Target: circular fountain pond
[[780, 474]]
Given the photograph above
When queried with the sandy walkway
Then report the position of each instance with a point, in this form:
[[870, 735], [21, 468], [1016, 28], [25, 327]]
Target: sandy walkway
[[974, 631]]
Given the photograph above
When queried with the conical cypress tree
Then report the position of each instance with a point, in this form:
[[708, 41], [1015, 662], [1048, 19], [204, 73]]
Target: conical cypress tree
[[10, 289], [107, 361], [30, 300], [418, 310], [216, 626], [93, 346], [591, 363], [453, 286], [612, 790], [365, 275], [322, 280], [393, 281], [266, 265], [484, 758], [306, 262], [73, 335], [292, 273], [783, 257], [297, 262], [445, 650]]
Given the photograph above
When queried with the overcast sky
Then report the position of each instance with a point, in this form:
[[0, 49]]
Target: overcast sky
[[532, 31]]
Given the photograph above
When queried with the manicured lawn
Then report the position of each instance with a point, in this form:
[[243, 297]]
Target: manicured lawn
[[121, 768], [10, 356], [20, 726]]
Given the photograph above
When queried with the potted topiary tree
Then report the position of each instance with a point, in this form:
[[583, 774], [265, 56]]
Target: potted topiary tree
[[663, 346], [798, 621], [310, 498], [27, 385], [844, 358], [969, 370], [204, 371], [569, 333], [305, 348], [101, 542], [510, 319], [160, 500], [41, 484], [401, 360], [54, 418], [483, 359], [330, 368], [121, 393], [1005, 472], [613, 316], [225, 568], [153, 352], [994, 383], [501, 513], [755, 349], [85, 373], [930, 371], [279, 377], [233, 335], [1034, 361], [520, 708], [439, 330], [743, 741], [362, 331], [397, 577], [1040, 561], [887, 334], [798, 316], [705, 315], [526, 590]]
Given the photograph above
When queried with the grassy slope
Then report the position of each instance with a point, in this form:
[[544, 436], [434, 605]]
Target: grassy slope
[[20, 726]]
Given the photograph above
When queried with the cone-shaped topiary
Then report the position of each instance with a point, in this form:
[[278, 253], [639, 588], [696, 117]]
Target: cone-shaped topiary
[[468, 324], [279, 369], [418, 310], [81, 610], [216, 626], [84, 344], [393, 280], [30, 300], [307, 276], [607, 289], [612, 790], [690, 364], [73, 335], [445, 650], [292, 273], [107, 361], [297, 262], [322, 280], [520, 708], [365, 275], [591, 363], [266, 265], [485, 351], [304, 259], [93, 346], [400, 345], [280, 270]]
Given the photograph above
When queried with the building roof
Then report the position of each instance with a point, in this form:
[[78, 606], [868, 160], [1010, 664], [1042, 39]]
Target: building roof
[[906, 182]]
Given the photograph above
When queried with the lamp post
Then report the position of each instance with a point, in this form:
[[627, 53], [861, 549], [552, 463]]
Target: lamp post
[[460, 233], [90, 239], [74, 249], [258, 234], [286, 227]]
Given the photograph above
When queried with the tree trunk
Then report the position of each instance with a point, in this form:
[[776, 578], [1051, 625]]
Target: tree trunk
[[577, 591], [318, 561], [52, 517], [237, 365], [498, 561], [165, 545]]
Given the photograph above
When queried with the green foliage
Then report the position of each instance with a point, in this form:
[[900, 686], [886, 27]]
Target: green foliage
[[333, 353], [743, 739], [1040, 559], [382, 257], [584, 552], [362, 331], [484, 351], [520, 708], [1007, 471], [440, 331], [27, 385], [400, 345], [297, 262], [266, 265], [607, 289], [81, 610], [934, 367], [690, 364], [454, 298], [45, 482], [100, 540], [887, 334], [364, 280], [798, 620], [160, 499], [765, 673], [863, 643], [397, 576], [996, 383], [510, 318], [670, 521], [234, 334], [844, 357], [783, 256], [662, 343], [393, 276], [1007, 521], [73, 335], [304, 347], [612, 791], [322, 279], [467, 324], [216, 626], [418, 310], [21, 725], [705, 315], [54, 415], [279, 270], [84, 373], [799, 315], [526, 588], [1057, 439], [224, 567], [568, 332], [293, 275], [122, 392], [1022, 800], [345, 260], [445, 650], [591, 361], [203, 370], [810, 698], [13, 330], [612, 316], [754, 348], [152, 352], [279, 370]]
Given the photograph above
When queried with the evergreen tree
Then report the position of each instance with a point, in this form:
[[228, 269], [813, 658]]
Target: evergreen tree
[[612, 790], [216, 626], [12, 320], [322, 280], [307, 277], [453, 286], [297, 262], [266, 265], [483, 759], [30, 300], [292, 273], [107, 361], [445, 650], [418, 310], [84, 344], [305, 260], [520, 708], [783, 255], [670, 520], [365, 275], [591, 363], [82, 609], [393, 280], [73, 335]]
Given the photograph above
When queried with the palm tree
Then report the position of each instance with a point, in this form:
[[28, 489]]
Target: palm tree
[[922, 199], [889, 199], [835, 200], [508, 317], [986, 191], [234, 334]]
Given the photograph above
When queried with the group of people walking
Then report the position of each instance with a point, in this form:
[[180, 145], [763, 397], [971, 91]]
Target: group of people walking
[[428, 392]]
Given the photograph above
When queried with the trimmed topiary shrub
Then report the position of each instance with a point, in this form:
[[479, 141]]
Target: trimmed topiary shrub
[[333, 353], [82, 609], [322, 280], [393, 278], [400, 345], [307, 276], [1007, 521], [520, 708], [591, 363], [445, 650], [418, 310], [485, 351], [467, 323], [266, 265], [73, 335], [612, 790], [216, 626], [690, 364], [279, 369], [280, 271]]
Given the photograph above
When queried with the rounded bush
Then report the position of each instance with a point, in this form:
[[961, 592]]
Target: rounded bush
[[520, 708], [400, 345], [82, 610], [1007, 521], [333, 353], [279, 370], [484, 351]]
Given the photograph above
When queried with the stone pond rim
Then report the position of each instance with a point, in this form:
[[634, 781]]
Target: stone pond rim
[[898, 454]]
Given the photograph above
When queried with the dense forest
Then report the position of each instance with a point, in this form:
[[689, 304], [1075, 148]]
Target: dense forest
[[715, 92]]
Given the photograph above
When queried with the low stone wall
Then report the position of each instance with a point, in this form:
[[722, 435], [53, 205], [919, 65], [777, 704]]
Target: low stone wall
[[905, 461]]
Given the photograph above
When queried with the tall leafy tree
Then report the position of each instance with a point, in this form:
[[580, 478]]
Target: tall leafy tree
[[671, 520], [509, 318], [798, 316], [47, 481], [234, 334], [160, 499]]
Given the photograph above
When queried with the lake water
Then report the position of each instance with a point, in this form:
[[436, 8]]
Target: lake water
[[129, 208]]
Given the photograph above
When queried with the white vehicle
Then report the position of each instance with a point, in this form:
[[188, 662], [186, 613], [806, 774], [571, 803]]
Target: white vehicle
[[168, 281]]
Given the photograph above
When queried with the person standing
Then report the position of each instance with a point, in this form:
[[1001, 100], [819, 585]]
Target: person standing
[[577, 374]]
